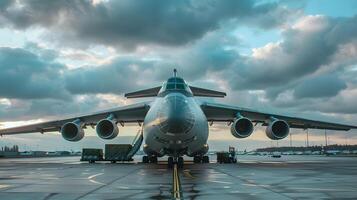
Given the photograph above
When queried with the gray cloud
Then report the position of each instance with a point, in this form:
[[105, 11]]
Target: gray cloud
[[4, 4], [305, 49], [129, 23], [321, 86], [26, 75], [121, 75], [44, 108]]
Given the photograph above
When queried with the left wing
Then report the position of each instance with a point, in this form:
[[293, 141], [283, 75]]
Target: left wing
[[131, 113], [221, 112]]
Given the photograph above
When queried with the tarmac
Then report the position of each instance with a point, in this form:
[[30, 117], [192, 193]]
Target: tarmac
[[253, 177]]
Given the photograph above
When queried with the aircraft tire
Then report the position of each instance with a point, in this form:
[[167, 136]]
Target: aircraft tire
[[170, 162], [197, 159], [145, 159], [153, 159], [205, 159], [180, 162]]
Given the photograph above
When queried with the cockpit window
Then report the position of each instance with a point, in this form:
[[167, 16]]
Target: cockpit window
[[177, 84], [175, 80], [180, 86], [170, 86]]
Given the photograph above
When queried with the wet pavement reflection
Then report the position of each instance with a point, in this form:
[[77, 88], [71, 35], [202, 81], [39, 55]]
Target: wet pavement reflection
[[254, 177]]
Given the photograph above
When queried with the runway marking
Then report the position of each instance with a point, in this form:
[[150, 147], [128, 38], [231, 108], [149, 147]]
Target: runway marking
[[176, 184], [224, 182], [111, 182], [324, 189], [4, 186], [95, 175], [187, 173], [90, 178]]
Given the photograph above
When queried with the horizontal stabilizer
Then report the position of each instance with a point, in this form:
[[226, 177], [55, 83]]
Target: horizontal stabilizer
[[206, 93], [151, 92]]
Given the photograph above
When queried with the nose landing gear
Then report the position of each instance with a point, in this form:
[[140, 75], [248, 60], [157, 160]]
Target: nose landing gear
[[172, 160]]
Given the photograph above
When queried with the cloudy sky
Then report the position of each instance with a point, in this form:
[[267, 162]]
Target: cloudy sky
[[64, 57]]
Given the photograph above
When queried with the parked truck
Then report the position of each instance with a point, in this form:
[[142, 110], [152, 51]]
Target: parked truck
[[227, 156], [92, 155]]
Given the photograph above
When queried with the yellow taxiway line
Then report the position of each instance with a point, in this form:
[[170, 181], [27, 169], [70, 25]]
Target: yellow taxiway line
[[176, 184]]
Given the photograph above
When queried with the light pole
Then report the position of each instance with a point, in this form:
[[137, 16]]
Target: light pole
[[307, 137]]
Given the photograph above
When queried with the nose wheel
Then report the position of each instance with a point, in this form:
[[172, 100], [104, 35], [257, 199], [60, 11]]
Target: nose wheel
[[177, 160]]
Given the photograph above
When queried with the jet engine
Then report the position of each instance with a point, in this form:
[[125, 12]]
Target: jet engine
[[107, 128], [277, 129], [72, 131], [242, 127]]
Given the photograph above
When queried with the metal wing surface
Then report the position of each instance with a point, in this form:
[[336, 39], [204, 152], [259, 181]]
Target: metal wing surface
[[221, 112], [131, 113]]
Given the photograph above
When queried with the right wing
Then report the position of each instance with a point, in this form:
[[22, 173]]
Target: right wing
[[131, 113], [221, 112]]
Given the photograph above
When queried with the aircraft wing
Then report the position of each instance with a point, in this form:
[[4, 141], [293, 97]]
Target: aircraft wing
[[131, 113], [221, 112]]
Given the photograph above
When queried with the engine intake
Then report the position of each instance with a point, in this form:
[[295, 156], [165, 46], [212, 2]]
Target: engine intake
[[107, 128], [277, 129], [242, 127], [72, 131]]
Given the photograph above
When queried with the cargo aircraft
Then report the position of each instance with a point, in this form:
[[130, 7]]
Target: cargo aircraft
[[175, 123]]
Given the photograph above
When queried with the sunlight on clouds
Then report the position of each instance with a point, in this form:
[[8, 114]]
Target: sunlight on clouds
[[266, 51], [5, 102], [95, 2], [19, 123], [260, 94], [78, 58], [286, 96], [311, 23], [113, 99]]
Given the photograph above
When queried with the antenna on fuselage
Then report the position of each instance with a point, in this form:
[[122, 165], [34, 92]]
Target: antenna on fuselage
[[175, 72]]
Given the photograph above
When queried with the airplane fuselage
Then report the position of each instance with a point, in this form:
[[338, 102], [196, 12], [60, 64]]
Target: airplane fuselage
[[175, 125]]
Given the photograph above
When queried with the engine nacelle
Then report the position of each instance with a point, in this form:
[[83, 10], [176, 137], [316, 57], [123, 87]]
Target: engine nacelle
[[242, 127], [107, 128], [277, 129], [72, 131]]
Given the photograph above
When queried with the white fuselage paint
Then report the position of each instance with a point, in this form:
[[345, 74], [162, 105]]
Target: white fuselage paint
[[192, 141]]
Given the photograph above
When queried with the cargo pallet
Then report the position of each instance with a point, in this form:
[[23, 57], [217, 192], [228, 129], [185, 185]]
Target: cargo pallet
[[114, 152]]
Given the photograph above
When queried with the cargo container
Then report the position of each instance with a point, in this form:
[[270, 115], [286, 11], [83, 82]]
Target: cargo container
[[118, 152], [92, 155]]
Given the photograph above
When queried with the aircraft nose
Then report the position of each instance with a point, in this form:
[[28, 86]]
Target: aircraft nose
[[176, 116]]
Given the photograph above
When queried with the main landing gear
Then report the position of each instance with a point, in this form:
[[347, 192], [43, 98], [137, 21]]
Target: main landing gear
[[177, 160], [149, 159], [200, 159]]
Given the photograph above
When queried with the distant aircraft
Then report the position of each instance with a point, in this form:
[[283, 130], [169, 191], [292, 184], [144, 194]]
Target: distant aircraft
[[175, 123]]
